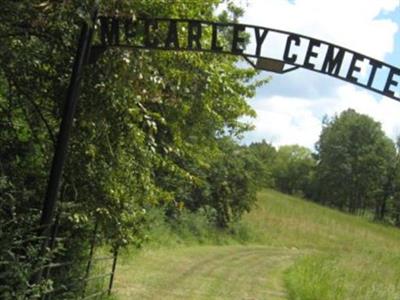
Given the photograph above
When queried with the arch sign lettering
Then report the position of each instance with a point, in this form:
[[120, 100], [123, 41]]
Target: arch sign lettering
[[269, 49]]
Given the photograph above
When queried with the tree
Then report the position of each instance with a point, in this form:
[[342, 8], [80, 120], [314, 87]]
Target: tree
[[293, 169], [231, 185], [394, 204], [265, 155], [354, 163]]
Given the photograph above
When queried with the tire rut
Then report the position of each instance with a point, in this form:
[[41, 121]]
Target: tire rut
[[201, 280]]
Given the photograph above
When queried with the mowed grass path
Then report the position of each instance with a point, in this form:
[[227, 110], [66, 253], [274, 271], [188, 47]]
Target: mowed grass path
[[206, 272], [296, 250]]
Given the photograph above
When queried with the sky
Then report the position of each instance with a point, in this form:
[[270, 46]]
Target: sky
[[291, 106]]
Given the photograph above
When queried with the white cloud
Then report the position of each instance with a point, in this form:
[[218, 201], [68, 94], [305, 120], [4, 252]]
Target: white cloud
[[289, 120], [283, 120], [347, 23], [289, 117]]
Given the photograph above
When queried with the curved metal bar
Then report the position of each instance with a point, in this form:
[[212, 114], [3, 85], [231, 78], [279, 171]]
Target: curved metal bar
[[146, 33]]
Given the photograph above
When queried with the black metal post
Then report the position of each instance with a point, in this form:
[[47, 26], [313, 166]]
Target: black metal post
[[60, 154], [49, 204], [114, 265], [91, 252]]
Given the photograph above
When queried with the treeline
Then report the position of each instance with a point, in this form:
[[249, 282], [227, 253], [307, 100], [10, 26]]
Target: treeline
[[355, 168], [152, 129]]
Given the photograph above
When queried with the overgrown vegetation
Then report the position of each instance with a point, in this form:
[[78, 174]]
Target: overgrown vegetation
[[150, 131]]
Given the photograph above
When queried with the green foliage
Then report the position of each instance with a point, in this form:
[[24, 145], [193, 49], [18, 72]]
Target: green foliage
[[231, 190], [393, 205], [147, 130], [290, 169], [293, 170], [191, 228], [16, 238], [264, 155], [355, 161]]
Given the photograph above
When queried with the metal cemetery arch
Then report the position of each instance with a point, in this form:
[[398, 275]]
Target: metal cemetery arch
[[188, 35], [203, 36]]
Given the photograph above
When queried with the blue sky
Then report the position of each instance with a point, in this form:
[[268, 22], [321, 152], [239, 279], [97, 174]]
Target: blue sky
[[291, 107], [394, 57]]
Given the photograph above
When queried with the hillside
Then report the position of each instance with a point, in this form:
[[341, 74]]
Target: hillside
[[295, 250]]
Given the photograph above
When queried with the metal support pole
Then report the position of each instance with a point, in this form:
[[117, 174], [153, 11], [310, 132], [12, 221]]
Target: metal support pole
[[50, 201], [60, 154], [113, 271], [91, 252]]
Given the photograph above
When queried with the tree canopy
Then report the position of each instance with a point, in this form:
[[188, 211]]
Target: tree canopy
[[355, 160]]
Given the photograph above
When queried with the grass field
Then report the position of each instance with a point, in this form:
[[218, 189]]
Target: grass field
[[294, 250]]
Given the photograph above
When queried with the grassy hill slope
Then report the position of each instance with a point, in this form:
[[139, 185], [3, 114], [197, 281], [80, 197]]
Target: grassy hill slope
[[349, 257], [295, 250]]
